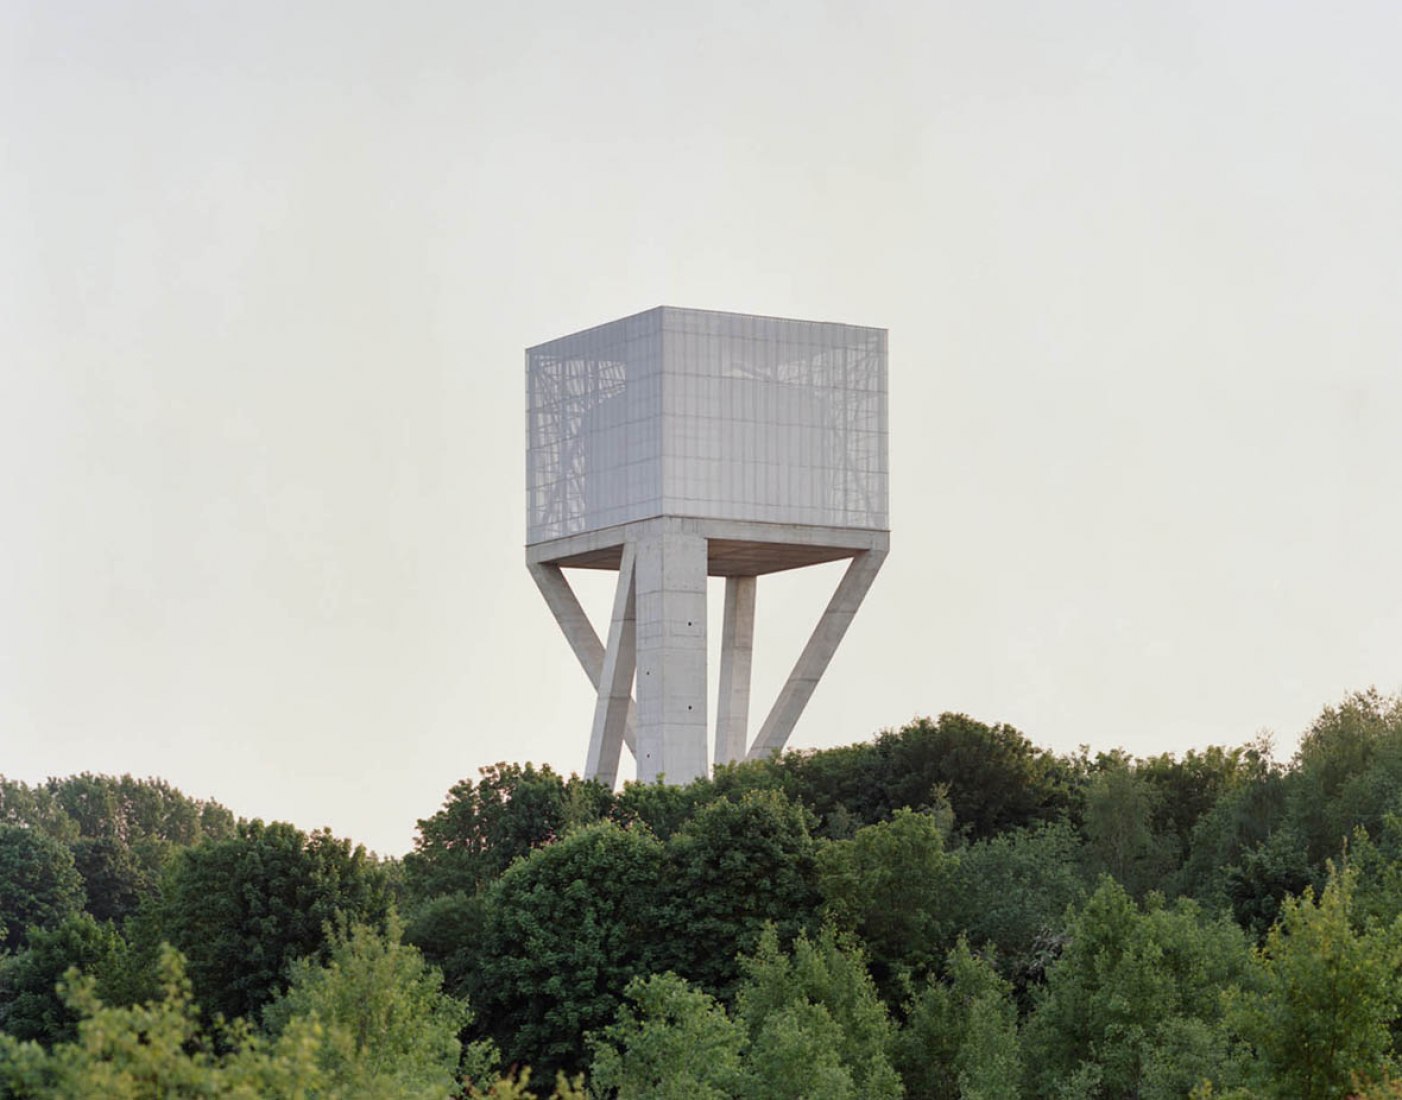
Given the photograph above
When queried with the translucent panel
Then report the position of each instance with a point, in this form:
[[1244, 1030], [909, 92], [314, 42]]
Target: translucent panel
[[720, 415]]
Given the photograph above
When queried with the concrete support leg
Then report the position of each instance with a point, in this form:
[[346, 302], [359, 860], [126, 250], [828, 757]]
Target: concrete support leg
[[736, 652], [578, 631], [671, 640], [616, 680], [813, 661]]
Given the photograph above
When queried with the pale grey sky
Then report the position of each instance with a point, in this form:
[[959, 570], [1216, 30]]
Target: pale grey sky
[[267, 270]]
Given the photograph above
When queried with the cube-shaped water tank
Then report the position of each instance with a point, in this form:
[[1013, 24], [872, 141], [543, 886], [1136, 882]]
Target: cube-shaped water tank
[[689, 412]]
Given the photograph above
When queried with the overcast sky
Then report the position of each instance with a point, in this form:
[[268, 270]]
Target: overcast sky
[[267, 271]]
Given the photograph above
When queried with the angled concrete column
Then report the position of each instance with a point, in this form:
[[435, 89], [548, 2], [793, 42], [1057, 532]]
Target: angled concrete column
[[822, 644], [671, 642], [578, 631], [736, 652], [616, 680]]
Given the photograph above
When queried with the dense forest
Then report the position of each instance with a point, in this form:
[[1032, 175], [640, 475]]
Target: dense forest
[[945, 911]]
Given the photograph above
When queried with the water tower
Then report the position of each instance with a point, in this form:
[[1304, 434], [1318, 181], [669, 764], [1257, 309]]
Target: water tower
[[678, 444]]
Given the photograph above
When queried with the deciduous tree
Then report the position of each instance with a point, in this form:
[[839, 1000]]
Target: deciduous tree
[[1328, 996], [733, 868], [670, 1041], [244, 908], [386, 1027], [564, 931], [30, 1004], [816, 999], [39, 886]]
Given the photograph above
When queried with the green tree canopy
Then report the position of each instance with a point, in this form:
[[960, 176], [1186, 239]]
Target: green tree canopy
[[960, 1040], [1347, 772], [242, 909], [483, 826], [30, 1004], [1011, 893], [386, 1027], [890, 885], [39, 885], [157, 1050], [564, 930], [1119, 812], [818, 1002], [1115, 1000], [733, 868], [1327, 997], [670, 1041]]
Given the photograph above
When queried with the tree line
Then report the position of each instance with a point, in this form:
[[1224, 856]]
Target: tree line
[[944, 911]]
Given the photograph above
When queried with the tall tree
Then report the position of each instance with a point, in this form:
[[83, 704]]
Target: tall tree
[[815, 1010], [243, 909], [30, 1004], [1328, 996], [1119, 813], [733, 868], [890, 884], [387, 1028], [1011, 894], [670, 1041], [39, 886], [993, 776], [1127, 989], [1347, 771], [484, 825], [960, 1039], [564, 930], [157, 1049]]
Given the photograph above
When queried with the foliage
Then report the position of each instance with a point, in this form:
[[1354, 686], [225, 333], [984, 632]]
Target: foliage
[[139, 812], [484, 826], [1114, 1000], [564, 931], [1263, 877], [1328, 996], [993, 776], [788, 1001], [670, 1041], [1012, 893], [156, 1050], [39, 886], [960, 1038], [1377, 865], [889, 884], [989, 1061], [517, 1086], [1246, 854], [1348, 771], [30, 1005], [1186, 790], [733, 868], [1119, 810], [448, 930], [673, 933], [35, 808], [660, 807], [120, 830], [243, 909], [795, 1054], [387, 1028]]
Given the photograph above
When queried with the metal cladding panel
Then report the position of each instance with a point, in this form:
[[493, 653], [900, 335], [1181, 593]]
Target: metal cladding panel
[[594, 428], [717, 415]]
